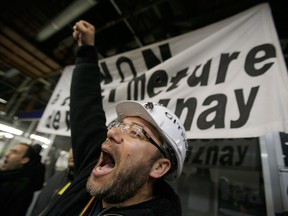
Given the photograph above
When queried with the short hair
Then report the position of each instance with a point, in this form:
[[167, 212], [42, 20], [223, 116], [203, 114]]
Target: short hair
[[33, 152]]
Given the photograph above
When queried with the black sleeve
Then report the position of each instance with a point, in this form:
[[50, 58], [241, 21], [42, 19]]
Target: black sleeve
[[87, 117]]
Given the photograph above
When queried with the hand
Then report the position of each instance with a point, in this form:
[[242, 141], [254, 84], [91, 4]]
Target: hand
[[84, 33]]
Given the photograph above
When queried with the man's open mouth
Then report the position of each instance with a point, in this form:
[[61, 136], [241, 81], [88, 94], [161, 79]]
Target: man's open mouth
[[105, 165], [107, 160]]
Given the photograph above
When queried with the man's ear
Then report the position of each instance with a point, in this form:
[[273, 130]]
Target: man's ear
[[160, 168], [25, 160]]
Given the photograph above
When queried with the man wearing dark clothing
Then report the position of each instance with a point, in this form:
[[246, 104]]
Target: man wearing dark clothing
[[21, 175], [54, 187], [146, 144]]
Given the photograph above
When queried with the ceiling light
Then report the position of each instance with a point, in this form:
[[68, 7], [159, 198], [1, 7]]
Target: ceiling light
[[40, 138], [44, 146], [10, 129], [6, 135], [65, 17]]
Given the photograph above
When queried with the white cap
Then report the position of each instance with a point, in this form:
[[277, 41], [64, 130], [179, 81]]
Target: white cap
[[168, 125]]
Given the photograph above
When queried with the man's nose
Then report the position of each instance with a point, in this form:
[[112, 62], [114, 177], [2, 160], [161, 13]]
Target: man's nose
[[115, 135]]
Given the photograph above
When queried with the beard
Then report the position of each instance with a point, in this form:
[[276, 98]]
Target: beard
[[124, 185]]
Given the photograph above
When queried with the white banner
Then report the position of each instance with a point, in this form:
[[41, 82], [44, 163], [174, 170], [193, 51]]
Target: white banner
[[227, 80]]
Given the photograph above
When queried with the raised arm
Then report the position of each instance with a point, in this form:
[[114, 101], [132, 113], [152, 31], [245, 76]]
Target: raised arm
[[87, 118]]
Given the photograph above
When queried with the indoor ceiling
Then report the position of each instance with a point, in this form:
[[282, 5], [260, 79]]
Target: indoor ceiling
[[31, 60]]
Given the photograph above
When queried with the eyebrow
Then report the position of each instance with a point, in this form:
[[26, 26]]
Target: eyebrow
[[14, 150], [154, 130], [132, 122], [140, 125]]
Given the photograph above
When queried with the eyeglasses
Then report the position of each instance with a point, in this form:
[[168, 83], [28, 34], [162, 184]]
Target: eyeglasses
[[135, 131]]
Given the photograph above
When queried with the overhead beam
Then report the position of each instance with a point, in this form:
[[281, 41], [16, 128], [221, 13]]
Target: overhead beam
[[24, 54], [39, 55], [19, 63]]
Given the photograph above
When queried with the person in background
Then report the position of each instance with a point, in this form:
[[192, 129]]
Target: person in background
[[22, 173], [54, 187], [135, 154]]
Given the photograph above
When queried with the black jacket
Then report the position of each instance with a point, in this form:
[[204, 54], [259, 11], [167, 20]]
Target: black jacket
[[88, 131], [51, 189], [18, 186]]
